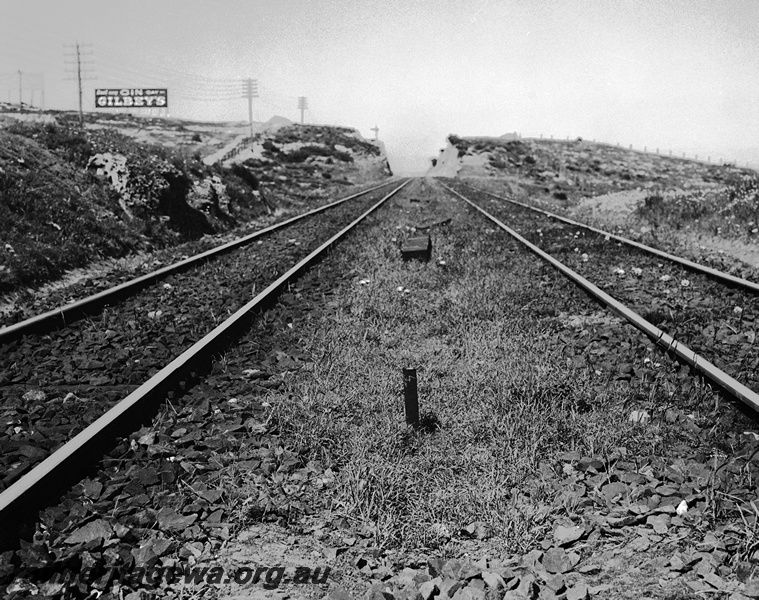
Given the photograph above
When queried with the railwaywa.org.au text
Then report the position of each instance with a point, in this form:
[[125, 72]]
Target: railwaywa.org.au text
[[268, 577]]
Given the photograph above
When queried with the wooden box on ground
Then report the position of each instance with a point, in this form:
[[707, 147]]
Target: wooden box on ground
[[419, 248]]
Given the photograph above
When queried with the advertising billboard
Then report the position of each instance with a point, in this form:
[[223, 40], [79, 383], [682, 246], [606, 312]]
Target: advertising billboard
[[132, 98]]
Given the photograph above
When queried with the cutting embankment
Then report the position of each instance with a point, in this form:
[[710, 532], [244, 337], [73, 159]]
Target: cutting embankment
[[125, 186], [543, 469], [707, 212]]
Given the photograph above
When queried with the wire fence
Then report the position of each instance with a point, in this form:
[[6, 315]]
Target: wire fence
[[242, 145], [655, 151]]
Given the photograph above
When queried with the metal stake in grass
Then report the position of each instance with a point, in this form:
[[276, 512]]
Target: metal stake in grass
[[410, 397]]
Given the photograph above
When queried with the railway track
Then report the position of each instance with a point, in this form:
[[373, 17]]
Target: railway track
[[216, 458], [164, 332], [694, 266], [64, 314], [704, 317]]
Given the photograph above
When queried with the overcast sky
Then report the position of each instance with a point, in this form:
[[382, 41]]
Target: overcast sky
[[673, 74]]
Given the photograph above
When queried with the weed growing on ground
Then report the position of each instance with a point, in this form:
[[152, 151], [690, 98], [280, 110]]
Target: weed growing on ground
[[501, 397], [519, 381], [729, 212]]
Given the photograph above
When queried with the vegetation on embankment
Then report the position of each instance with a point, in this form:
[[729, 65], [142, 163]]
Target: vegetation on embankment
[[731, 211], [698, 209], [70, 196], [570, 170]]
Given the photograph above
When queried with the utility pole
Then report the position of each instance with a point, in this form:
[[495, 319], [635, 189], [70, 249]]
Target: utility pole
[[250, 91], [31, 82], [375, 129], [78, 54], [302, 106]]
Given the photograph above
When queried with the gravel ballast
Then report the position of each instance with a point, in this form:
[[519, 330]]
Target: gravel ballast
[[262, 462]]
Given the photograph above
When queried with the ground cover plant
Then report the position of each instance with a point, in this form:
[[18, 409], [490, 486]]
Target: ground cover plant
[[547, 424], [79, 372], [560, 454], [329, 136], [71, 196], [710, 318], [494, 399], [729, 212], [59, 214], [580, 167], [556, 454], [302, 159], [567, 175], [704, 212], [55, 216]]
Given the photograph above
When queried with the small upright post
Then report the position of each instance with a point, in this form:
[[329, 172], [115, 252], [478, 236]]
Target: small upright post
[[410, 397]]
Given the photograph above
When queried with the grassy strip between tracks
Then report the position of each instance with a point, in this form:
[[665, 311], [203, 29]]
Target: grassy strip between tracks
[[489, 389], [294, 450], [488, 334]]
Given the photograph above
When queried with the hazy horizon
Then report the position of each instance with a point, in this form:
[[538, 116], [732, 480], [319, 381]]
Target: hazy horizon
[[672, 74]]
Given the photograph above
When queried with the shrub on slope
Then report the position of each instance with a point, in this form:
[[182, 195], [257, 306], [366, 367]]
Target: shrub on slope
[[59, 213], [55, 215]]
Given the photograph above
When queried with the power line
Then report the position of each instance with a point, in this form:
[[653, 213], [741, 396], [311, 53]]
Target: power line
[[230, 86], [122, 70], [203, 91], [184, 86], [161, 71]]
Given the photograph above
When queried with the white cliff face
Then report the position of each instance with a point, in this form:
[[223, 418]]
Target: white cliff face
[[114, 168], [375, 166], [447, 164]]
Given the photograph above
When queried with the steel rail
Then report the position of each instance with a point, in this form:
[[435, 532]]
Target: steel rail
[[20, 501], [58, 317], [666, 341], [726, 277]]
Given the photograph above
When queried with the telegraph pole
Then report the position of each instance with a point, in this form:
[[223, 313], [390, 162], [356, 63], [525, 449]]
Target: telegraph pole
[[302, 106], [79, 53], [250, 91], [375, 129], [19, 90]]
